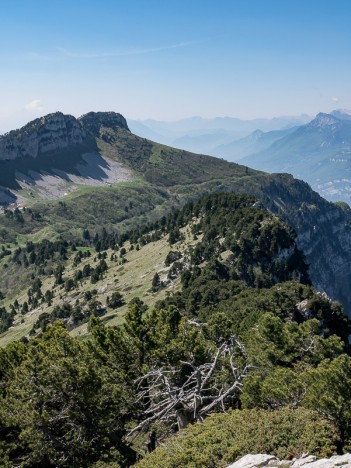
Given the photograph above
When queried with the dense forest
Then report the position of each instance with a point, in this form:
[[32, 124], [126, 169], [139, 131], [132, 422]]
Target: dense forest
[[244, 334]]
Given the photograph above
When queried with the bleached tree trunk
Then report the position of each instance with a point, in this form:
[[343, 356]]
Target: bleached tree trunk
[[198, 395]]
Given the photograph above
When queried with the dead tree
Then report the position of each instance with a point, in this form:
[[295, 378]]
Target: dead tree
[[173, 398]]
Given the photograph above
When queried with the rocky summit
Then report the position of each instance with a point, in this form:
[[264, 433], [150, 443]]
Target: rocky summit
[[55, 132], [52, 132]]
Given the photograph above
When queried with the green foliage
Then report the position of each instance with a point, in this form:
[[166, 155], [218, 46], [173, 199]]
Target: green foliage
[[223, 438], [171, 257], [66, 405], [67, 402], [156, 282], [6, 319], [328, 391], [116, 300], [163, 165]]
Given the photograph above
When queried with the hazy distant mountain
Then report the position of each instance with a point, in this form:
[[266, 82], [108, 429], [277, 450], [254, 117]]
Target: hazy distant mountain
[[146, 132], [343, 114], [203, 142], [205, 135], [319, 152], [253, 143]]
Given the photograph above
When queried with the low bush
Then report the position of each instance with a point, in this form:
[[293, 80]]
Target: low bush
[[223, 438]]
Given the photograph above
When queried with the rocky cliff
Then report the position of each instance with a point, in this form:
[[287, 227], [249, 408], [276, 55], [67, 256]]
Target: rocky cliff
[[94, 121], [323, 229], [52, 132], [55, 132]]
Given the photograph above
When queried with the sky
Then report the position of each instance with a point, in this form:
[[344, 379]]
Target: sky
[[173, 59]]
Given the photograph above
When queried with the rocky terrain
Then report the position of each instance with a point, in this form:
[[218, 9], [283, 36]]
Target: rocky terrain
[[52, 132], [49, 177], [307, 461], [55, 132], [323, 229]]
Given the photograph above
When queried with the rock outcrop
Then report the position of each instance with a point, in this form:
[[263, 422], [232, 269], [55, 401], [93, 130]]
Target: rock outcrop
[[55, 132], [50, 133], [94, 121], [306, 461], [323, 229]]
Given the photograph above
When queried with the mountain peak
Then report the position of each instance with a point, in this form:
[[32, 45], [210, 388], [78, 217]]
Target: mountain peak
[[48, 133], [93, 121], [55, 118], [54, 132], [256, 135], [323, 120]]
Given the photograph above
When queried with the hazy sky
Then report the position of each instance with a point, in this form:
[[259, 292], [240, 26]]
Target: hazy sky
[[169, 59]]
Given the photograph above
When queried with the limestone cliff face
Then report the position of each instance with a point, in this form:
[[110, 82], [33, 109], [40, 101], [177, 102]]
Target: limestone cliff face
[[52, 132], [326, 241], [55, 132], [323, 229]]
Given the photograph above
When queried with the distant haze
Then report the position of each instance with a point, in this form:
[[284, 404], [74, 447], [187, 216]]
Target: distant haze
[[173, 60], [206, 135]]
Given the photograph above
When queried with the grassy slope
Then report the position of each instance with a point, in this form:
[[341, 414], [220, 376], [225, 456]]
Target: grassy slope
[[131, 279], [167, 178], [163, 165]]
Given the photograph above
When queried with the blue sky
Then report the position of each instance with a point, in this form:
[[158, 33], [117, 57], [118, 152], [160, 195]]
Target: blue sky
[[172, 59]]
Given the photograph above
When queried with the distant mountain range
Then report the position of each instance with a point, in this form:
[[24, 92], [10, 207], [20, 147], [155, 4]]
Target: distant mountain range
[[256, 141], [318, 152], [202, 135]]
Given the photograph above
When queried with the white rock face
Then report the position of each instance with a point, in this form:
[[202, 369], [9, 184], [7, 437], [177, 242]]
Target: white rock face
[[252, 461], [307, 461], [303, 461], [49, 133], [97, 171]]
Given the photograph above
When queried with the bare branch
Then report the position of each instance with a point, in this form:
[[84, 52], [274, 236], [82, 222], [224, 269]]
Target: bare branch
[[196, 324], [201, 391]]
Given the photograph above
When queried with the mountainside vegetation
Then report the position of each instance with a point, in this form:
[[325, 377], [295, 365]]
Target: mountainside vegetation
[[223, 438], [109, 178], [212, 309], [146, 296]]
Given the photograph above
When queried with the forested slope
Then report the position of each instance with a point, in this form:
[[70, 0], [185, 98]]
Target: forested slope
[[241, 328]]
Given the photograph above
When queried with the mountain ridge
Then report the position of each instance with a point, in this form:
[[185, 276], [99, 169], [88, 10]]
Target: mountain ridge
[[204, 135], [55, 131], [252, 143], [160, 178]]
